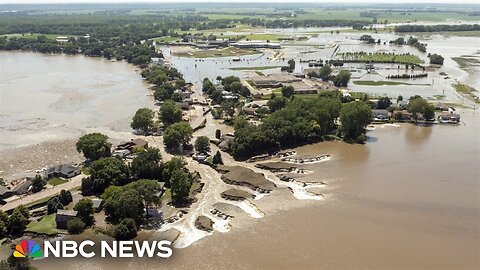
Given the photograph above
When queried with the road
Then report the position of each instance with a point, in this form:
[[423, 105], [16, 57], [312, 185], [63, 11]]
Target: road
[[48, 192]]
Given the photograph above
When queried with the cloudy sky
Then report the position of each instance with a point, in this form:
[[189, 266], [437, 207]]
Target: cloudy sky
[[256, 1]]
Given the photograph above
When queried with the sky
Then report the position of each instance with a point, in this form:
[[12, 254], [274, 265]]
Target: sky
[[255, 1]]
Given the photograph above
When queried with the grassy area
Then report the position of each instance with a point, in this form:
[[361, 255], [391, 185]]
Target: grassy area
[[85, 170], [379, 57], [271, 37], [34, 36], [467, 91], [167, 196], [254, 68], [226, 52], [46, 225], [57, 181], [167, 39], [466, 60], [459, 33], [381, 83]]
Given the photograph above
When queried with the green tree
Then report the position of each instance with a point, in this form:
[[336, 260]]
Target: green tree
[[342, 78], [178, 134], [3, 224], [121, 203], [75, 226], [217, 158], [202, 144], [355, 116], [148, 190], [108, 171], [383, 103], [170, 113], [176, 163], [418, 105], [277, 103], [84, 207], [325, 72], [288, 91], [53, 205], [38, 183], [236, 87], [18, 221], [126, 230], [143, 119], [180, 185], [147, 164], [65, 197], [94, 146]]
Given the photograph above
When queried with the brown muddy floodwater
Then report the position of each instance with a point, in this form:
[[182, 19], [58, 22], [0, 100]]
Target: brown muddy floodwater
[[48, 101], [408, 199]]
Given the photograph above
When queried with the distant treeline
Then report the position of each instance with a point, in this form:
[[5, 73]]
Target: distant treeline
[[437, 28]]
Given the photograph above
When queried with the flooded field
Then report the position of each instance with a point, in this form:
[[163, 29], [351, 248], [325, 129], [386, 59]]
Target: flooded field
[[321, 44]]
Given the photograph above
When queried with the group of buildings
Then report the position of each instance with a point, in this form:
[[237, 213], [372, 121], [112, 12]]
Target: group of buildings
[[399, 112]]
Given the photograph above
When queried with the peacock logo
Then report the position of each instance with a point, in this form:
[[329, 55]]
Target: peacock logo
[[28, 249]]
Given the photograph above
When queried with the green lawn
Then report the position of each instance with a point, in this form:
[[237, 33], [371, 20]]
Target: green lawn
[[467, 91], [33, 36], [57, 181], [167, 196], [271, 37], [167, 39], [85, 170], [381, 83], [46, 225], [379, 57]]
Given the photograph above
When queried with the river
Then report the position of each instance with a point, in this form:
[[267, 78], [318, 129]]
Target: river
[[48, 101], [407, 199]]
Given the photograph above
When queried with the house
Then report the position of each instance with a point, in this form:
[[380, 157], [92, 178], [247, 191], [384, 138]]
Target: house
[[200, 157], [301, 88], [63, 170], [5, 192], [257, 45], [183, 105], [380, 115], [441, 107], [22, 187], [273, 80], [63, 216], [249, 110], [131, 145], [62, 39], [97, 205], [227, 140], [449, 118]]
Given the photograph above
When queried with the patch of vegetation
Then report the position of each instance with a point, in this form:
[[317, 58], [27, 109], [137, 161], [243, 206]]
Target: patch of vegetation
[[381, 83], [46, 225], [467, 91], [466, 61], [85, 170], [57, 181], [379, 57]]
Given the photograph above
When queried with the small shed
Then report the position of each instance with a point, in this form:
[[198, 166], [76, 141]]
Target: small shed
[[97, 205], [63, 216]]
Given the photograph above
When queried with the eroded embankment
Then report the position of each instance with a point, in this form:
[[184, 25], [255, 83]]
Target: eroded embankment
[[231, 190]]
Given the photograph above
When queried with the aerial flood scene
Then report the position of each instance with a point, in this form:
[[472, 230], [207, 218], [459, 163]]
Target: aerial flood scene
[[239, 135]]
